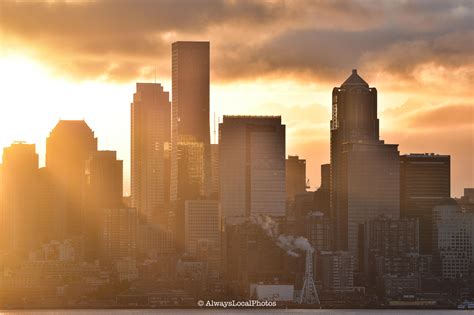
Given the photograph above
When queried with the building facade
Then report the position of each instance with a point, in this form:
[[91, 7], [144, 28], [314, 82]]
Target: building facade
[[252, 166], [68, 146], [150, 139], [424, 182], [364, 170]]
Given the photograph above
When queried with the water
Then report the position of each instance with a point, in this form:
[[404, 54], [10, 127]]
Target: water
[[232, 312]]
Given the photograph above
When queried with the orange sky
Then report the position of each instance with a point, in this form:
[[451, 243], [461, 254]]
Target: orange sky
[[80, 59]]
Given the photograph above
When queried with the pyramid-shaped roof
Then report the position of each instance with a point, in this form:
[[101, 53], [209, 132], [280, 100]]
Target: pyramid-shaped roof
[[354, 79]]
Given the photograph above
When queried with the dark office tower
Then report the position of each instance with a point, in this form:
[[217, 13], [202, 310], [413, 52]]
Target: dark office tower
[[252, 167], [364, 170], [424, 183], [150, 138], [18, 215], [190, 134], [68, 147], [103, 190], [190, 107], [322, 195], [295, 177]]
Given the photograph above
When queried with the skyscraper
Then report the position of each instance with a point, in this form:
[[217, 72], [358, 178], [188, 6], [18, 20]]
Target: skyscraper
[[202, 221], [68, 147], [322, 195], [103, 190], [190, 131], [364, 170], [190, 107], [452, 240], [18, 196], [424, 182], [150, 140], [295, 176], [252, 166]]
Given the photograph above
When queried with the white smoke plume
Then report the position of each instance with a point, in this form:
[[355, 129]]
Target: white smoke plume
[[288, 243]]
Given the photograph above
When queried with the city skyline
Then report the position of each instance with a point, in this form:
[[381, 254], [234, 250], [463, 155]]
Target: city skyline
[[287, 154], [409, 57]]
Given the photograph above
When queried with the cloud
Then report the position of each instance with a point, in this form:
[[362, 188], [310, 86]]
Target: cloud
[[308, 40]]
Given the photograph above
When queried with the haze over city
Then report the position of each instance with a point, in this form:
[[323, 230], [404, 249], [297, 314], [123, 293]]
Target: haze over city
[[81, 59]]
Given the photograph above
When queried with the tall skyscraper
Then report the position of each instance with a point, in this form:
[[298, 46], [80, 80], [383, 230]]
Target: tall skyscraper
[[252, 166], [190, 107], [18, 196], [190, 131], [424, 182], [295, 176], [68, 147], [150, 140], [103, 190], [364, 170]]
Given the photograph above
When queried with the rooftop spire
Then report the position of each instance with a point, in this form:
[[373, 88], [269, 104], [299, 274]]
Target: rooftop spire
[[354, 79]]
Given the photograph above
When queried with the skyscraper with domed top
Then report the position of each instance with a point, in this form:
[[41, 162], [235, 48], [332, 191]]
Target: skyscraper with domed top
[[364, 170]]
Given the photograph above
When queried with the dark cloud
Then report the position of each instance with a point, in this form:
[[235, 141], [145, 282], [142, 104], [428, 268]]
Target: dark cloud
[[250, 39]]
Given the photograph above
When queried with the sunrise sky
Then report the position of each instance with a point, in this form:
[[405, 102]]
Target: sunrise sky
[[81, 59]]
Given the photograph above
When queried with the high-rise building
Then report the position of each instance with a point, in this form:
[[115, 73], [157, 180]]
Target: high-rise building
[[389, 247], [452, 240], [18, 197], [68, 147], [253, 257], [364, 170], [323, 194], [190, 160], [103, 189], [150, 141], [190, 107], [119, 234], [252, 166], [336, 271], [202, 226], [424, 182], [295, 176]]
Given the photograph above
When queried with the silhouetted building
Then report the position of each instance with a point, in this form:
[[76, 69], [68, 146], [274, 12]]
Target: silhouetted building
[[252, 166], [336, 271], [323, 194], [389, 247], [295, 176], [452, 240], [364, 170], [319, 231], [68, 147], [190, 134], [150, 140], [103, 190], [303, 204], [252, 257], [424, 182], [119, 234], [468, 196], [202, 223], [18, 198]]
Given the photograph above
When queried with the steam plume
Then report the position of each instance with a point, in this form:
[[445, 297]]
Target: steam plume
[[288, 243]]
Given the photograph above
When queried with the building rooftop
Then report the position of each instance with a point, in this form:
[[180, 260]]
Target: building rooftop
[[354, 79]]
